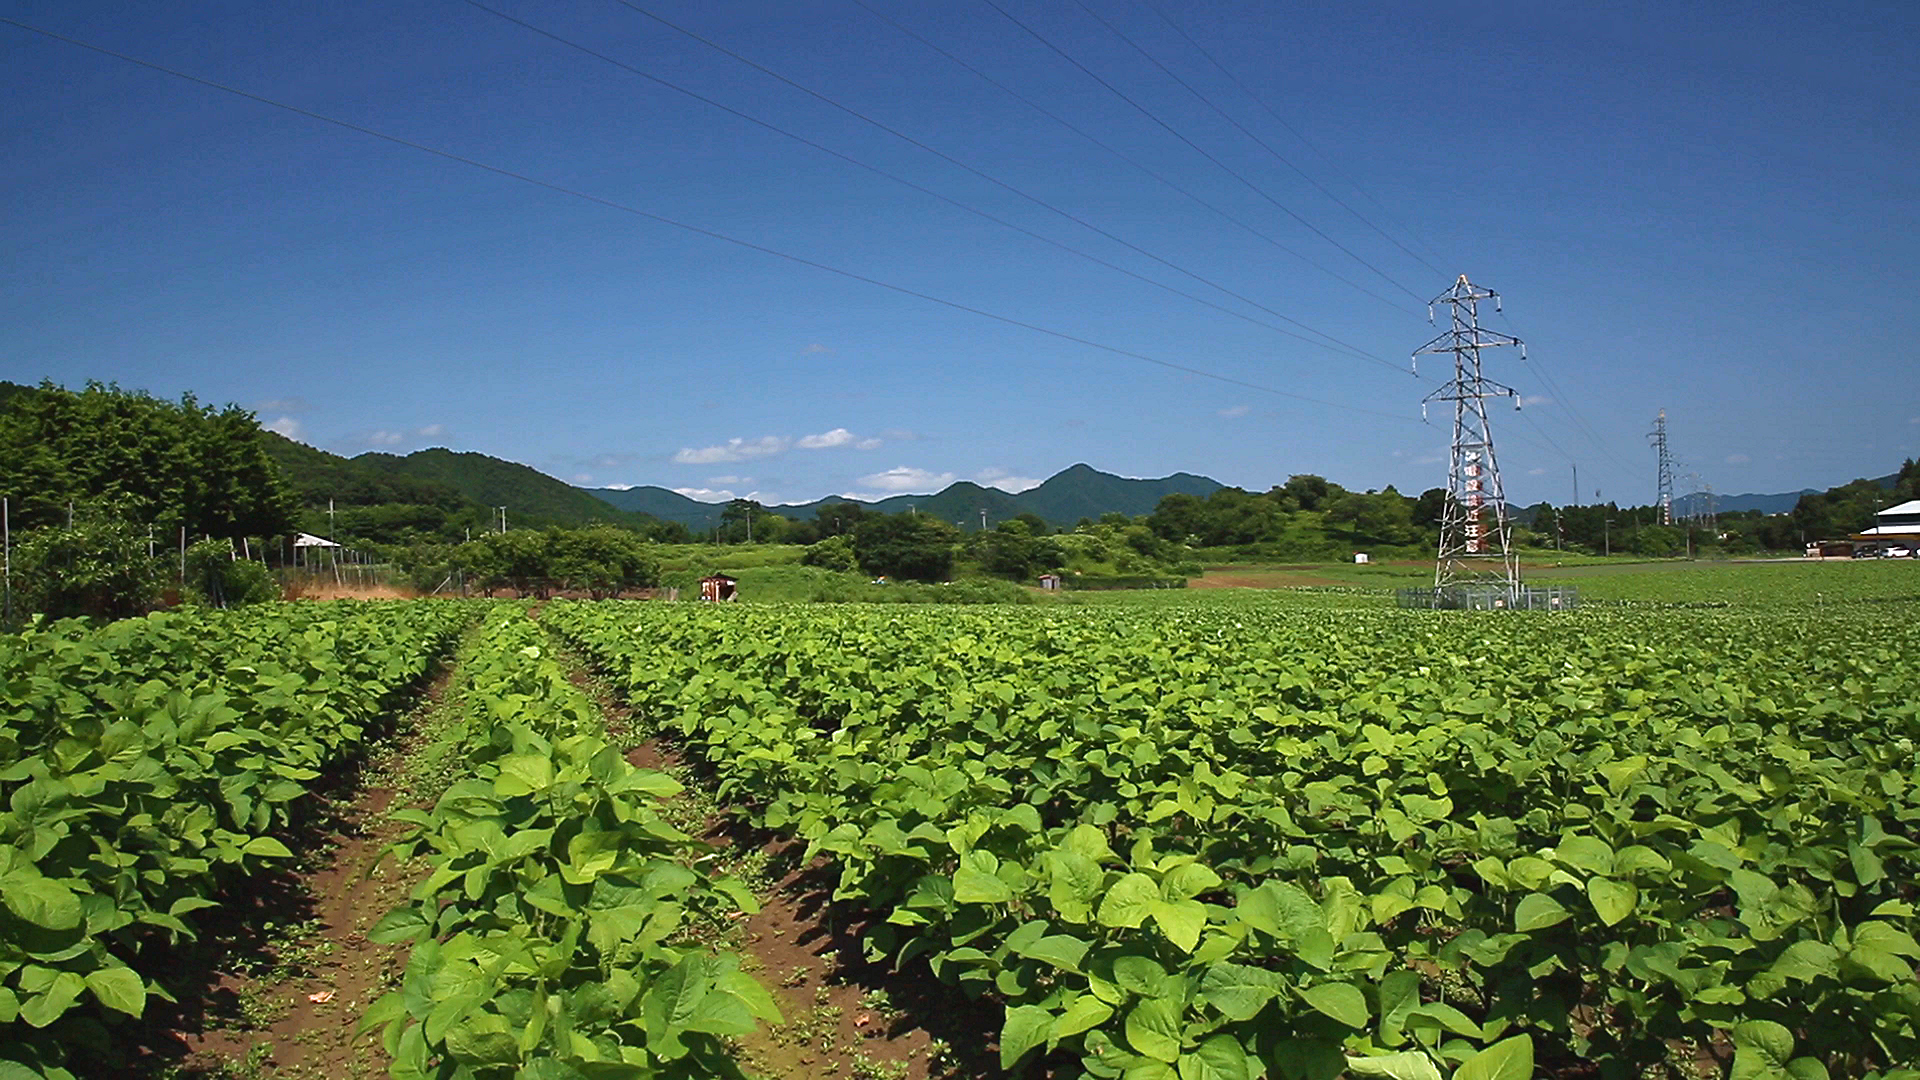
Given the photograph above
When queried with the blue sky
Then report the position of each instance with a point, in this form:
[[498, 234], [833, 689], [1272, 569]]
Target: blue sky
[[1706, 208]]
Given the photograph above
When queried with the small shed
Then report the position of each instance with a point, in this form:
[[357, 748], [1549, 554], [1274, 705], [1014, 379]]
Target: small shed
[[1050, 582], [1361, 558], [718, 588]]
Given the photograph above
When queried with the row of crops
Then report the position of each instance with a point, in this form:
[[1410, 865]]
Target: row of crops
[[149, 765], [557, 932], [1222, 843]]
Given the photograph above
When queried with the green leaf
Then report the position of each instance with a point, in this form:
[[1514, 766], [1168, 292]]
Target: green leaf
[[1508, 1059], [1218, 1058], [1342, 1001], [1086, 1012], [57, 998], [1060, 950], [118, 988], [1138, 974], [974, 880], [1073, 884], [1411, 1065], [1537, 911], [42, 902], [1129, 902], [523, 774], [403, 924], [482, 1039], [1182, 922], [1153, 1029], [1807, 960], [1237, 990], [267, 847], [1761, 1050], [1027, 1026], [1612, 900]]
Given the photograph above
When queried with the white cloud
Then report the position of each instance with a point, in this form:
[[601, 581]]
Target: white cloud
[[1536, 472], [1013, 485], [826, 440], [432, 431], [729, 479], [1536, 399], [815, 349], [867, 444], [1429, 459], [733, 450], [621, 487], [1233, 412], [902, 478], [710, 495], [582, 478], [385, 438], [1738, 459], [286, 425], [1913, 419]]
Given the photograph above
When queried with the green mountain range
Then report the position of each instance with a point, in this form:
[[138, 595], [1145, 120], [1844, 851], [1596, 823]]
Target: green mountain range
[[1080, 491]]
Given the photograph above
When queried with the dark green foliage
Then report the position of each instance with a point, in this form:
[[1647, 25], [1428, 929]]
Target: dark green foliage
[[912, 546], [167, 464], [1013, 551], [833, 553], [98, 568], [215, 577], [599, 560], [439, 495]]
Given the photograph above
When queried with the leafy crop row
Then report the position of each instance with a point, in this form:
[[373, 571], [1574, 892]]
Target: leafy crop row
[[1236, 842], [553, 931], [145, 765]]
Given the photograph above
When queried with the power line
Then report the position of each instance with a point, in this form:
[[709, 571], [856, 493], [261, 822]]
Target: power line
[[1196, 147], [695, 229], [1343, 347], [1070, 126], [1573, 413], [1242, 128], [1308, 143]]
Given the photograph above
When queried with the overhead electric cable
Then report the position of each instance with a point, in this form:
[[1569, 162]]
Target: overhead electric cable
[[1196, 147], [695, 229], [1560, 396], [1308, 143], [957, 163], [1263, 144], [1095, 140], [1343, 348]]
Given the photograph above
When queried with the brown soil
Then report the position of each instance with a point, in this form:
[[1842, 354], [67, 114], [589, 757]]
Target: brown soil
[[841, 1016], [278, 983], [349, 592]]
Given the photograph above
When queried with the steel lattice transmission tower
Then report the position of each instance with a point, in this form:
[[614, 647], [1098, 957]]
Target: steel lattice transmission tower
[[1475, 531], [1659, 437]]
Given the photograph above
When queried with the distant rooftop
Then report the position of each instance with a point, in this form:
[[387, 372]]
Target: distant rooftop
[[1910, 508]]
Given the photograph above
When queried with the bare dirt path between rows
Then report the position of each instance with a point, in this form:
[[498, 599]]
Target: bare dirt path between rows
[[842, 1016], [283, 970]]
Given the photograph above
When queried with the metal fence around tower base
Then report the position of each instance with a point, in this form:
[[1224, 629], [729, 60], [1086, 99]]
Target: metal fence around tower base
[[1494, 596]]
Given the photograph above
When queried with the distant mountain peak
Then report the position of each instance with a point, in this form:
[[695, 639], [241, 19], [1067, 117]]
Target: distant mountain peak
[[1075, 492]]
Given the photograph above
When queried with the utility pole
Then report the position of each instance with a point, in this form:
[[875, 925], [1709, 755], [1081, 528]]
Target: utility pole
[[503, 517], [1606, 532], [1576, 482], [1474, 526], [1659, 437], [983, 519], [331, 530]]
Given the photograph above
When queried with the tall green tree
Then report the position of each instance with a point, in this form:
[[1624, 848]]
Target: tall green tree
[[152, 462]]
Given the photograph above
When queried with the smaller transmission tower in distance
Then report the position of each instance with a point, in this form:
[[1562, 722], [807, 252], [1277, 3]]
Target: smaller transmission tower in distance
[[1475, 531], [1659, 437]]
